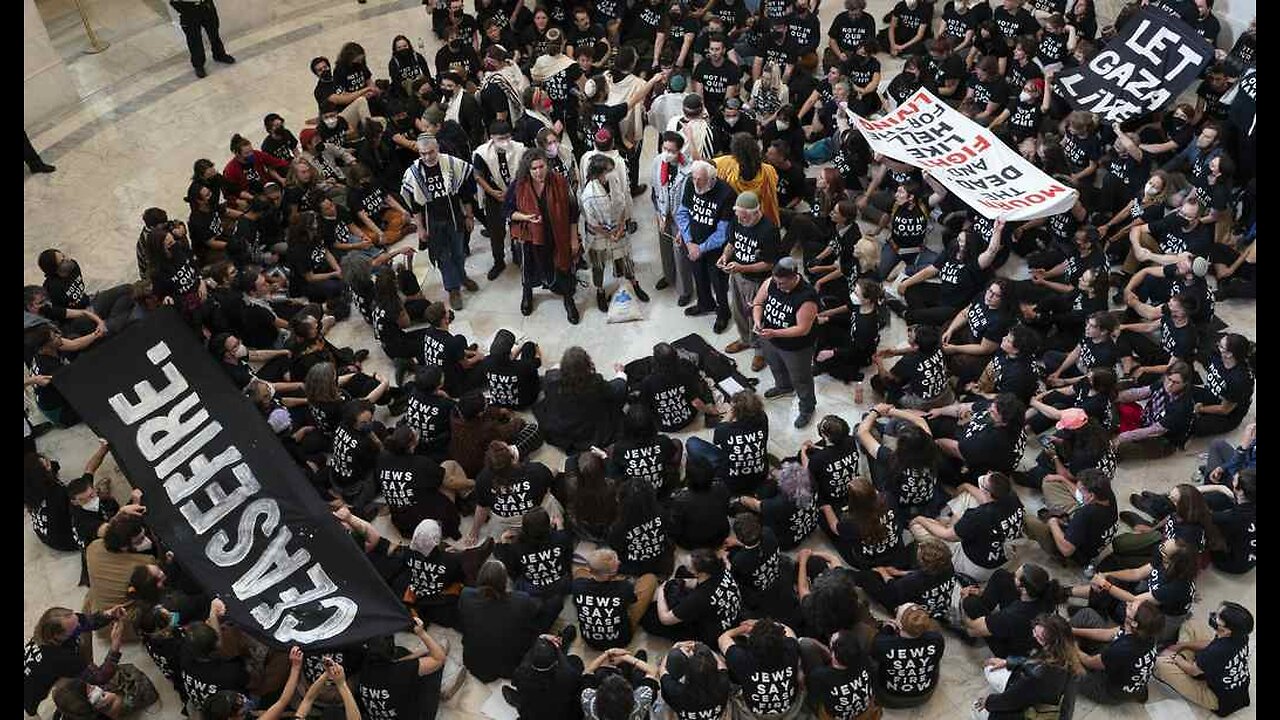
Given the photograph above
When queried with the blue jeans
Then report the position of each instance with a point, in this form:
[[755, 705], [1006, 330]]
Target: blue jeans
[[449, 253], [697, 449], [889, 258]]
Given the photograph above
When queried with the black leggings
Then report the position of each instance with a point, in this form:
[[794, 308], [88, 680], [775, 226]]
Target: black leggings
[[924, 306]]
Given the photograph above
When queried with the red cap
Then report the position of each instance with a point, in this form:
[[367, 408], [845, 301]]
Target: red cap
[[603, 135], [305, 136], [1038, 84]]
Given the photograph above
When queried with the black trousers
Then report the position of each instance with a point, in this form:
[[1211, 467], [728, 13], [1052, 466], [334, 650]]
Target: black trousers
[[192, 22], [29, 154], [712, 283]]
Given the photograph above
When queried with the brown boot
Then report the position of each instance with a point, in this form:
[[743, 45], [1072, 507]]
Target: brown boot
[[758, 363], [736, 346]]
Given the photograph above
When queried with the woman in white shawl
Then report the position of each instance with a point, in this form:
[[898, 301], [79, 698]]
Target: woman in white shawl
[[604, 229]]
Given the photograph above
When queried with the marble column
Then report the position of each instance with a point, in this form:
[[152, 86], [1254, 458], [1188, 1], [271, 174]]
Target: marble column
[[47, 86]]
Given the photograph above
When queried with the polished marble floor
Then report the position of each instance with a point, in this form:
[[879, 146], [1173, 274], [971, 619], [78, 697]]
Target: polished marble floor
[[131, 146]]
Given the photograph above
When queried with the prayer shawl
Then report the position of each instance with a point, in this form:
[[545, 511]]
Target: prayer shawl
[[619, 184], [413, 189], [500, 173], [557, 197], [620, 92], [512, 83], [698, 139], [665, 108], [453, 110], [566, 143], [764, 184], [548, 66], [602, 209]]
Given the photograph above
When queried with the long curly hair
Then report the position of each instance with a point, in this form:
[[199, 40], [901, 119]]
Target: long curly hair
[[578, 374]]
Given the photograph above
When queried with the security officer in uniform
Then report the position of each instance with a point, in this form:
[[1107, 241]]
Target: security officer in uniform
[[194, 16]]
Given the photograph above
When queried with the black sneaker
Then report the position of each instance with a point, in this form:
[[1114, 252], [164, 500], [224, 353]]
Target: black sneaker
[[696, 310], [495, 271], [511, 696], [777, 392], [684, 300], [571, 310], [568, 634], [224, 59], [662, 284], [722, 322], [201, 72], [361, 355], [803, 419], [602, 301]]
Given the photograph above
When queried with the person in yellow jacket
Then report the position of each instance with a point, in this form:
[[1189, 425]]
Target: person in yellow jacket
[[745, 170]]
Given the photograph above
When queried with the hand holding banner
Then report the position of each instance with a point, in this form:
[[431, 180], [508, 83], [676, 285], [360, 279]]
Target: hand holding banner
[[966, 158], [222, 493], [1150, 62]]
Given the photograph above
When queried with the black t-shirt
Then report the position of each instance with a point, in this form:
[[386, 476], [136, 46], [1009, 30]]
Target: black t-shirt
[[1015, 375], [1234, 385], [430, 575], [832, 467], [511, 383], [792, 521], [716, 80], [769, 685], [640, 545], [545, 567], [1024, 118], [804, 32], [1174, 237], [985, 323], [670, 396], [1090, 529], [700, 518], [995, 90], [781, 311], [602, 611], [51, 518], [858, 540], [606, 116], [406, 480], [325, 89], [712, 607], [1225, 664], [429, 415], [708, 209], [1014, 24], [1010, 628], [956, 24], [496, 633], [689, 701], [527, 487], [644, 22], [791, 184], [850, 32], [443, 348], [755, 243], [986, 446], [746, 445], [43, 665], [354, 455], [1173, 596], [1128, 662], [304, 260], [642, 459], [85, 523], [68, 292], [842, 693], [984, 531], [914, 486], [202, 679], [960, 280], [910, 21], [394, 690], [1239, 528], [1174, 414], [284, 147], [908, 667], [925, 376], [757, 568], [907, 229], [1080, 151]]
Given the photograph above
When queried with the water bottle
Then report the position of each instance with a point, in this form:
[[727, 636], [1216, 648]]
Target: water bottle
[[859, 392], [1090, 571]]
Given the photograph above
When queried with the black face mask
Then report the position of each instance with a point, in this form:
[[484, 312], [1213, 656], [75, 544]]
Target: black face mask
[[327, 76], [406, 54], [213, 182]]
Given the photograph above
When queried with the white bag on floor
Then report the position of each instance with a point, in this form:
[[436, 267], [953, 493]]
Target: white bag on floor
[[623, 306]]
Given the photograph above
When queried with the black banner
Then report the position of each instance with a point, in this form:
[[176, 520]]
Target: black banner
[[223, 493], [1149, 63]]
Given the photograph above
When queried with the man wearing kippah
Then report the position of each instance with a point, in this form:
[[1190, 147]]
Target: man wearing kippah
[[752, 247]]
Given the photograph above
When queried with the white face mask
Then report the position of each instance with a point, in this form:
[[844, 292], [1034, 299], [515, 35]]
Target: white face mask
[[1151, 188], [93, 505], [1079, 496], [143, 545], [331, 122], [502, 145], [783, 125], [731, 121], [97, 696], [668, 156], [242, 351], [1024, 96], [553, 149]]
